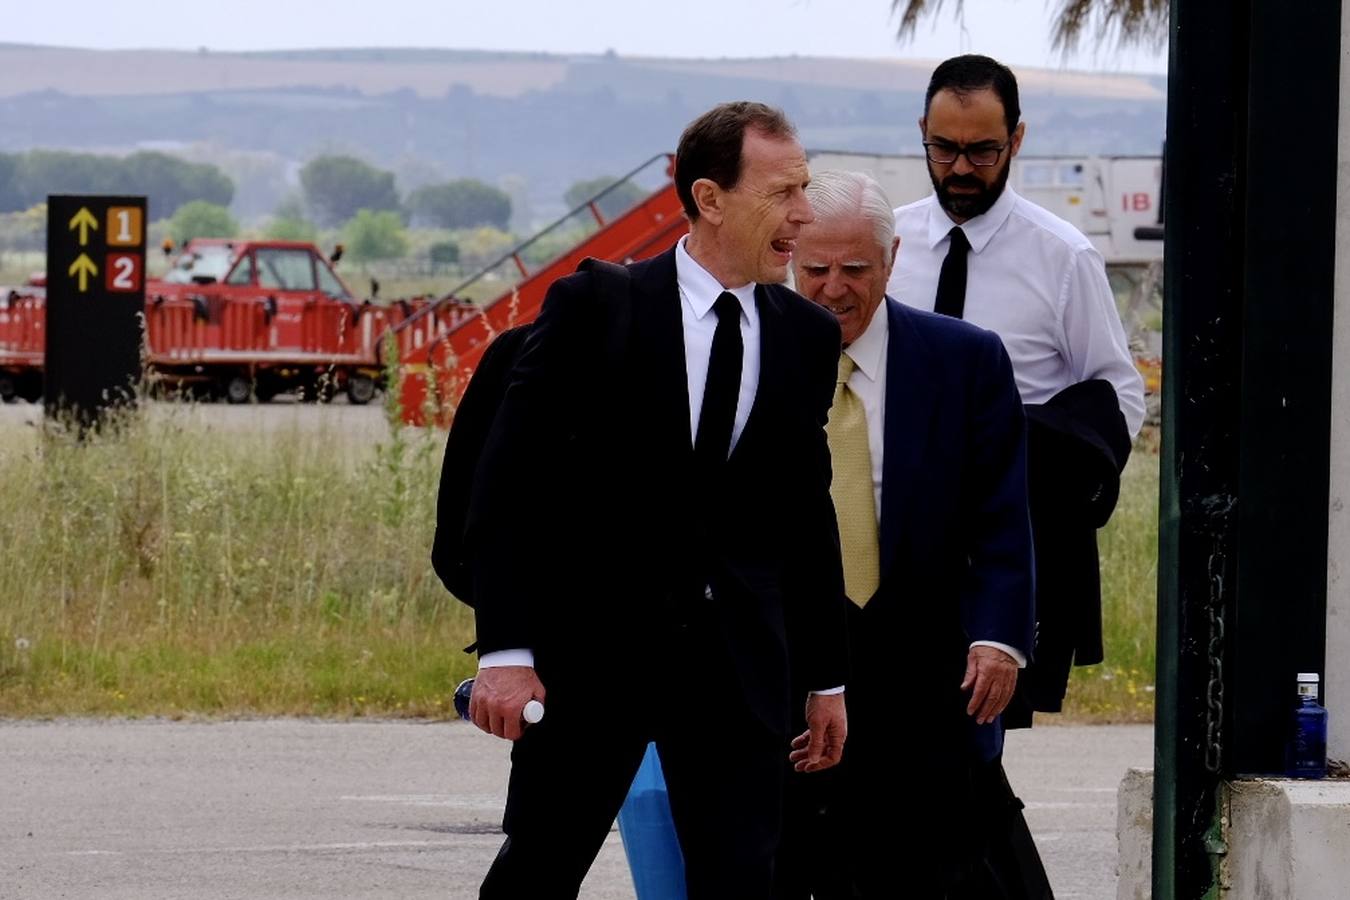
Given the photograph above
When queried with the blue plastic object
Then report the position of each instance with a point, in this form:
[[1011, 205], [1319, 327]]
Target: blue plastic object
[[648, 832]]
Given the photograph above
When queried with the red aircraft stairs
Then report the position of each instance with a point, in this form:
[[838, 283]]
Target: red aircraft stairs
[[439, 345]]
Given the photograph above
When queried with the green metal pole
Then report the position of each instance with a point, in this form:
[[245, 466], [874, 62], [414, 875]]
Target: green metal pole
[[1200, 410], [1253, 105]]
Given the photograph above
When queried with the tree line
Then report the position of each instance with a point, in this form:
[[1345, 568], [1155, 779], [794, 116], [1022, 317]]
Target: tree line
[[168, 181], [335, 191]]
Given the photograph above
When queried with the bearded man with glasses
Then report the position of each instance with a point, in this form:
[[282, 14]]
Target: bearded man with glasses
[[976, 250]]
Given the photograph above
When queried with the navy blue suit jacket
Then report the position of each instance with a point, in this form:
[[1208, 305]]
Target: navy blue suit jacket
[[955, 536]]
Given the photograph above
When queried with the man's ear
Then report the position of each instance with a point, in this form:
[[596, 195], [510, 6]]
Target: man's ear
[[895, 248], [708, 198], [923, 127], [1017, 137]]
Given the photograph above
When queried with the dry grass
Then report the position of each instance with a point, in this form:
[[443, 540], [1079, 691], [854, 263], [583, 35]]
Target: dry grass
[[177, 567], [164, 568]]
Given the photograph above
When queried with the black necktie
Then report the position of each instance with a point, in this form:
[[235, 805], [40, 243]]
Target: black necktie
[[723, 387], [951, 292]]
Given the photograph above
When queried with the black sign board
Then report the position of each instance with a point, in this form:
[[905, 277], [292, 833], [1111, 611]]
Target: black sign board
[[95, 303]]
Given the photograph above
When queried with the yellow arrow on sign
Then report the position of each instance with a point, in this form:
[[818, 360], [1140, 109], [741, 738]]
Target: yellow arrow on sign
[[84, 220], [83, 266]]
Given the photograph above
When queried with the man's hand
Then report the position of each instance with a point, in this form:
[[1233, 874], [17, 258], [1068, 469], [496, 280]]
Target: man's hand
[[993, 675], [822, 744], [499, 697]]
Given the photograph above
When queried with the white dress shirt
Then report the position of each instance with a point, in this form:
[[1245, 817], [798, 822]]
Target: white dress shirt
[[1035, 281], [868, 382], [699, 291]]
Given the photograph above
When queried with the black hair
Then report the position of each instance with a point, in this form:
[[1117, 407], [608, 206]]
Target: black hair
[[967, 74]]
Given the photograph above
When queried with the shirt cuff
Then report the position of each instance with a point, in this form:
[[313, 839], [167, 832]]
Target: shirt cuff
[[833, 690], [498, 658], [1016, 654]]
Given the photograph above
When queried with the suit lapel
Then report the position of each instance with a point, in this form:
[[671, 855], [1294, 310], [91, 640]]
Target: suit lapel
[[909, 410], [659, 334]]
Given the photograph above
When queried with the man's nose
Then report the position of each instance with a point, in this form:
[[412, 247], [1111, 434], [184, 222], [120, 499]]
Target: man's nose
[[802, 213], [834, 286], [961, 165]]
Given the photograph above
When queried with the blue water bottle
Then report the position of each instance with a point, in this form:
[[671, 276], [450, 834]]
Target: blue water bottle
[[1306, 755]]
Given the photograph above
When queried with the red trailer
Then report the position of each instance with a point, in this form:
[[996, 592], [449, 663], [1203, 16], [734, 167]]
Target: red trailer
[[23, 316]]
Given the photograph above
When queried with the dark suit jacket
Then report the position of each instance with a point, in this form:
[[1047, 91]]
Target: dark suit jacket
[[1078, 444], [590, 529], [955, 538]]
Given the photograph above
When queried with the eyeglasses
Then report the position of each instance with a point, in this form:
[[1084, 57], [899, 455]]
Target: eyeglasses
[[945, 154]]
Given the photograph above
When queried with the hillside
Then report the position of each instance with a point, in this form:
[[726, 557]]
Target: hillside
[[532, 122]]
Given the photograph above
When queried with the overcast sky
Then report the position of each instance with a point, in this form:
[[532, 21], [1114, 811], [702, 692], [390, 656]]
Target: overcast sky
[[1015, 31]]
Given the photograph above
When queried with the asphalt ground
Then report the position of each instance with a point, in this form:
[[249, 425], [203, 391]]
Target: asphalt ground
[[159, 810]]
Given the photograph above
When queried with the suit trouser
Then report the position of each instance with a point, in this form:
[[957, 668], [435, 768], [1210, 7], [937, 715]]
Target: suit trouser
[[907, 769], [571, 772]]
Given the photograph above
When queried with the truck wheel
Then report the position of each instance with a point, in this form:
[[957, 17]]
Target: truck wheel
[[9, 391], [238, 390], [30, 388], [360, 389]]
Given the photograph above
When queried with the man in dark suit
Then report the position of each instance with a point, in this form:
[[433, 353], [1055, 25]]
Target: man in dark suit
[[928, 441], [653, 546]]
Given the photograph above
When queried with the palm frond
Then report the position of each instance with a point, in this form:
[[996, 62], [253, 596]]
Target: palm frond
[[911, 11], [1123, 23]]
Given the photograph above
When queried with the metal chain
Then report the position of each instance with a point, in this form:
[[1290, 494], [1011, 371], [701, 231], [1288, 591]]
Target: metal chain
[[1214, 691]]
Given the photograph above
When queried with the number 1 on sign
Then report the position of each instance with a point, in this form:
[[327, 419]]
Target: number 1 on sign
[[124, 226]]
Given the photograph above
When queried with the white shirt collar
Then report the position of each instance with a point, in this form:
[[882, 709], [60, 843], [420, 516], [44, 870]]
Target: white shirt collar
[[978, 230], [866, 352], [701, 289]]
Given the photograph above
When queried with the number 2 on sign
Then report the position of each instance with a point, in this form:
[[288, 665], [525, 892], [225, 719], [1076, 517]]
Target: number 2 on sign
[[124, 273]]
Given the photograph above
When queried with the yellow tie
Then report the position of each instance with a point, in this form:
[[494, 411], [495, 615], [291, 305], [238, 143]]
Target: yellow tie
[[854, 502]]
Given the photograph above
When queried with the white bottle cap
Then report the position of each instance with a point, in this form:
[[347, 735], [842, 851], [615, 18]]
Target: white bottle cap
[[533, 713], [1312, 677]]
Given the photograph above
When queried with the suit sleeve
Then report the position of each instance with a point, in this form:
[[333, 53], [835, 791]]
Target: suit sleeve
[[814, 589], [513, 505], [473, 420], [998, 591]]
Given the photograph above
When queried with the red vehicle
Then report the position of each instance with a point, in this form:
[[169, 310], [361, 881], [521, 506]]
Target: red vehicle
[[246, 319], [22, 340], [237, 319]]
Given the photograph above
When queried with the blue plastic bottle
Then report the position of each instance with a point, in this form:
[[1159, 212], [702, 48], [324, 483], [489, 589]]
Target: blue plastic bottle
[[1306, 755]]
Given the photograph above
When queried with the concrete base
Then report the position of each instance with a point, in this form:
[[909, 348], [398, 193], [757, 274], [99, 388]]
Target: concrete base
[[1286, 839], [1134, 834]]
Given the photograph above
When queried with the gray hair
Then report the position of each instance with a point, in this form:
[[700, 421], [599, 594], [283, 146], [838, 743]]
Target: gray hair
[[835, 193]]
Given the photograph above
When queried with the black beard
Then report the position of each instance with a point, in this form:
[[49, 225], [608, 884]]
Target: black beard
[[968, 206]]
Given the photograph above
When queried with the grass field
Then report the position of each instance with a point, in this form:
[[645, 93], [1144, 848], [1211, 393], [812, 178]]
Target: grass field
[[173, 569], [179, 567]]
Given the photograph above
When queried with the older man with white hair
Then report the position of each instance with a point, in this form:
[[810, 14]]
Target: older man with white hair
[[927, 440]]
